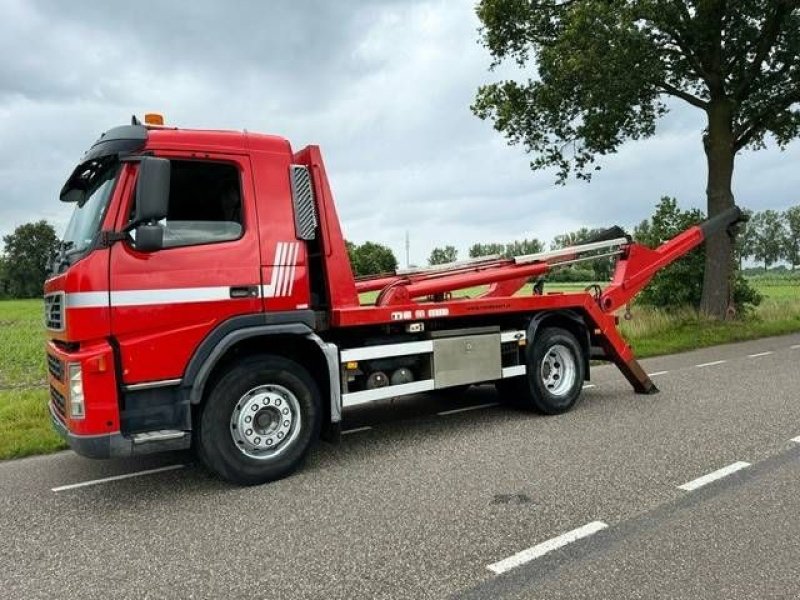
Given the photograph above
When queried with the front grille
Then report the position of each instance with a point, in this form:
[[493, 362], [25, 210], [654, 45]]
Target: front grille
[[54, 311], [59, 402], [56, 367]]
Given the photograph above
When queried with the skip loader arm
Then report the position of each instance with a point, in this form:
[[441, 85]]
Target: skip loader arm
[[635, 268]]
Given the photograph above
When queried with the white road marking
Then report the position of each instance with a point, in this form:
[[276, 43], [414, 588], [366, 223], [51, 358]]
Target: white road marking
[[795, 347], [73, 486], [467, 408], [657, 373], [587, 386], [710, 364], [757, 354], [718, 474], [795, 440], [357, 430], [540, 550]]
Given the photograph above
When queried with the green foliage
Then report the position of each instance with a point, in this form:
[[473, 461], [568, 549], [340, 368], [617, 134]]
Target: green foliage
[[603, 68], [370, 258], [28, 251], [602, 267], [515, 248], [440, 256], [792, 244], [680, 284], [769, 237], [571, 275]]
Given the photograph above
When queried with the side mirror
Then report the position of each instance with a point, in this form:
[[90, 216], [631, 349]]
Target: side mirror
[[152, 190], [149, 238]]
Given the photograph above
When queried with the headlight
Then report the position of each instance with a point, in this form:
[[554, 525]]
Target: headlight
[[76, 407]]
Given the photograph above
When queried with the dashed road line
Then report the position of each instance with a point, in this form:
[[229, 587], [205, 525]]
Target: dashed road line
[[758, 354], [657, 373], [718, 474], [444, 413], [356, 430], [588, 386], [72, 486], [520, 558], [795, 347], [711, 364], [795, 440]]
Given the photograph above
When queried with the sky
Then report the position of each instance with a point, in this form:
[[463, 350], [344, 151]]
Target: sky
[[383, 87]]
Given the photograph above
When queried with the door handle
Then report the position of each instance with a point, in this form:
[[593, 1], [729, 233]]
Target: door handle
[[244, 291]]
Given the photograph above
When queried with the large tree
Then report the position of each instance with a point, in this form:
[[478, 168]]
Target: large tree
[[603, 69], [28, 252]]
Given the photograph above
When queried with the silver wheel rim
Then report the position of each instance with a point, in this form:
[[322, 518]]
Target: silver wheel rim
[[265, 421], [558, 370]]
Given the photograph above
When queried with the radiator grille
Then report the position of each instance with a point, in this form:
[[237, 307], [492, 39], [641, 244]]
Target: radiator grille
[[54, 311], [56, 367], [305, 213], [59, 402]]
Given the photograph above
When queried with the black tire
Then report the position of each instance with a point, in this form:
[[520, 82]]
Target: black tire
[[214, 442], [547, 397]]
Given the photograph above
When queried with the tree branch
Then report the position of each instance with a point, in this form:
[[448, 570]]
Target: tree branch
[[760, 121], [678, 93], [769, 35]]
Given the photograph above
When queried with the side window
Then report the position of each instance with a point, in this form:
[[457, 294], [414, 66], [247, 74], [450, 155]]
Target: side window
[[205, 203]]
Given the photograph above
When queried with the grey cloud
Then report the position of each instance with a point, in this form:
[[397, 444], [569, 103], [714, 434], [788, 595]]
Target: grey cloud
[[383, 87]]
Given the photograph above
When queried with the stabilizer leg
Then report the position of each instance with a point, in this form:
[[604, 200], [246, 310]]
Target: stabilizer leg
[[633, 372]]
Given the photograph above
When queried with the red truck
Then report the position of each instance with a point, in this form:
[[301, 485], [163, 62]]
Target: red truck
[[202, 297]]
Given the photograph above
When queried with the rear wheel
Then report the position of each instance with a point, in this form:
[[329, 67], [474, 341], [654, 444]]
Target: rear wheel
[[259, 420], [555, 374]]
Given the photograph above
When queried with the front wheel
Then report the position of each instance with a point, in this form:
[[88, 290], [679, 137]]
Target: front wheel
[[259, 420], [555, 374]]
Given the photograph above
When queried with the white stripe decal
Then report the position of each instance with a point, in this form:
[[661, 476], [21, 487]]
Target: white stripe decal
[[296, 249], [87, 299], [282, 268], [268, 291], [170, 296]]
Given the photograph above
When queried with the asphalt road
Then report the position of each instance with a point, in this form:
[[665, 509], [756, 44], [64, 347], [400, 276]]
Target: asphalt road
[[420, 505]]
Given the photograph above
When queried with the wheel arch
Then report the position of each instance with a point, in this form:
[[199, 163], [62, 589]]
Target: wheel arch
[[292, 339]]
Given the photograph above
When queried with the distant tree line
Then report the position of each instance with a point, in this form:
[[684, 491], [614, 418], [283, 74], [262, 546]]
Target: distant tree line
[[770, 237]]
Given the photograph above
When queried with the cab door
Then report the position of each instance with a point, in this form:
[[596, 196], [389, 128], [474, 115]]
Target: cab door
[[163, 303]]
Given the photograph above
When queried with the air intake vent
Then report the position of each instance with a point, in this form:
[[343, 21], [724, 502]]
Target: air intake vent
[[54, 311], [305, 212]]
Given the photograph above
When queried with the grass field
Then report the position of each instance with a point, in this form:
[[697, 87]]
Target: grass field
[[24, 423]]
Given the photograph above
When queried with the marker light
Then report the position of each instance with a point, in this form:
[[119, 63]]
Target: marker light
[[76, 407], [153, 119]]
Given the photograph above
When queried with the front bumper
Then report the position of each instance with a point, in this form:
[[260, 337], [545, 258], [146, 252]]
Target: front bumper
[[111, 445]]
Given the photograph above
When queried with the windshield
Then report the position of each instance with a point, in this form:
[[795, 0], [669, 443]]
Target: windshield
[[90, 188]]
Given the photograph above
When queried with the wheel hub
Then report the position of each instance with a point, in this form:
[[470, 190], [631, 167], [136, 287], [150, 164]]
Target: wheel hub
[[265, 421], [558, 370]]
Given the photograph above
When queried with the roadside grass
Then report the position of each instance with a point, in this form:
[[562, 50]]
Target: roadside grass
[[25, 424]]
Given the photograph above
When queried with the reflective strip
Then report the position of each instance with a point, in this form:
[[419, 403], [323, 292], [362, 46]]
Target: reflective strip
[[390, 391], [512, 336], [386, 350], [87, 299], [514, 371]]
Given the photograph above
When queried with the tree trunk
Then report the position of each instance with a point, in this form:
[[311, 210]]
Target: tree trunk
[[718, 143]]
